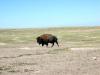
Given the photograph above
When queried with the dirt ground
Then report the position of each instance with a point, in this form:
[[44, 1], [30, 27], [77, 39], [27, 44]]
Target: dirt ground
[[32, 59]]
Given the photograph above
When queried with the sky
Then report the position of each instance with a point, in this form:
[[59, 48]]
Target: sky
[[49, 13]]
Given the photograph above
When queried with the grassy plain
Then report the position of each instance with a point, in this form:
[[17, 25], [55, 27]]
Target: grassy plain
[[82, 36], [78, 53]]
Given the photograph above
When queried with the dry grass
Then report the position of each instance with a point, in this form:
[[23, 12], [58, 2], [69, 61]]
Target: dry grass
[[78, 53], [88, 36]]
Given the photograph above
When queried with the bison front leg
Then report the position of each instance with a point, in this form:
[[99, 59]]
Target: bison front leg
[[42, 44]]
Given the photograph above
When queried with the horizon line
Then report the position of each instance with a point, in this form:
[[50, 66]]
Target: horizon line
[[47, 27]]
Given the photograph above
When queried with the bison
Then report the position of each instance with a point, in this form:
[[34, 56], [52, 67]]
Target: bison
[[47, 38]]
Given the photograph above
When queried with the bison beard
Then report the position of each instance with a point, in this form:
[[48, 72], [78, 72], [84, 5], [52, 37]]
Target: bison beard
[[47, 38]]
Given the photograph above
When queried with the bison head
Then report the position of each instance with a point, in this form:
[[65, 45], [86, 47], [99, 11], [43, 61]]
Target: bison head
[[39, 40]]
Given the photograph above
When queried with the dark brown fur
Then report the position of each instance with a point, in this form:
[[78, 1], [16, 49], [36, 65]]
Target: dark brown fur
[[47, 38]]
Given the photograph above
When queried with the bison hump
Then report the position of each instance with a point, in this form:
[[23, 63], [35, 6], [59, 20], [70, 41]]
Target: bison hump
[[45, 37]]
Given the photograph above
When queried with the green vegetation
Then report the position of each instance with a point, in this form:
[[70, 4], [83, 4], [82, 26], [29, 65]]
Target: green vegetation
[[78, 35]]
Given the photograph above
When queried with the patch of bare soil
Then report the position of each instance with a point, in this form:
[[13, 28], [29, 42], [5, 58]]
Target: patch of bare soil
[[32, 59]]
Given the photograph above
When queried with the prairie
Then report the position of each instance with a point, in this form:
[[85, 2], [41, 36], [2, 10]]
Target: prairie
[[78, 53]]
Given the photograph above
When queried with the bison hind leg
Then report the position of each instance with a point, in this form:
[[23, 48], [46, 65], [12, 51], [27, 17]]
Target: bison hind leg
[[57, 43], [52, 44], [47, 44]]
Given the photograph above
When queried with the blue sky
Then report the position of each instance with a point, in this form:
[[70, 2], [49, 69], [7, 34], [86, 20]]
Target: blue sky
[[49, 13]]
